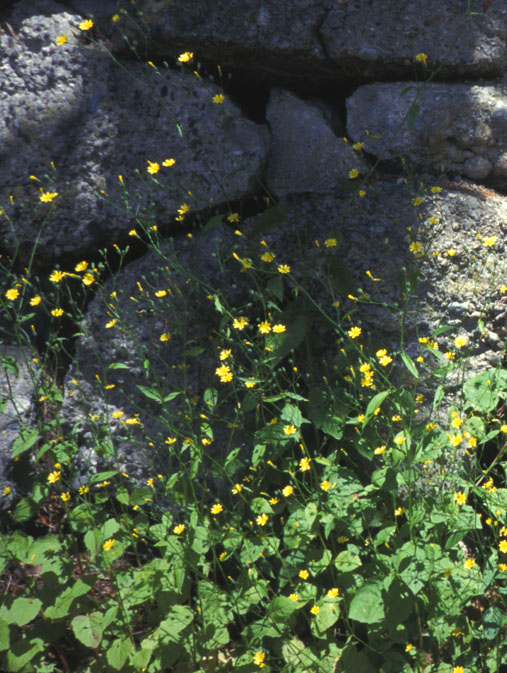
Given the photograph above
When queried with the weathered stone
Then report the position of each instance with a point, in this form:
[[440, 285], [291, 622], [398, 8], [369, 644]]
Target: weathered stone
[[305, 155], [446, 126], [96, 119]]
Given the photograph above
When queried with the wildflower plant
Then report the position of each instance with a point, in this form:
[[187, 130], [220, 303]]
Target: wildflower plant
[[291, 506]]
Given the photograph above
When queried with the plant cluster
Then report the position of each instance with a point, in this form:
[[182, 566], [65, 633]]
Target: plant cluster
[[337, 526]]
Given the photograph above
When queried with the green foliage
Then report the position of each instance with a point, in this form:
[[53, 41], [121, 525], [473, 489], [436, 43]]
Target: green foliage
[[335, 532]]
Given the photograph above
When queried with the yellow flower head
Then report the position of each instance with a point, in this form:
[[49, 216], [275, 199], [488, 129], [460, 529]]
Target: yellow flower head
[[186, 57], [287, 491], [422, 58], [219, 98], [87, 24], [354, 332], [12, 294], [61, 39], [216, 509], [108, 544], [178, 530], [153, 167]]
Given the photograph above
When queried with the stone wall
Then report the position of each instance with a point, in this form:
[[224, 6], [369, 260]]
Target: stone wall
[[408, 98]]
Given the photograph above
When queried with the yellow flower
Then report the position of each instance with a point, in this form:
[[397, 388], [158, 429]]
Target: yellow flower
[[262, 519], [279, 328], [294, 597], [216, 509], [47, 197], [379, 450], [304, 574], [304, 464], [65, 496], [86, 24], [108, 544], [503, 546], [117, 414], [489, 240], [469, 563], [219, 98], [354, 332], [408, 647], [264, 327], [399, 439], [186, 56], [178, 530], [88, 279], [115, 18], [460, 498], [234, 217], [315, 610], [284, 268], [258, 659], [398, 511], [330, 242], [503, 428], [81, 266], [325, 485], [353, 173], [54, 476], [61, 39], [417, 201], [56, 276], [111, 323], [267, 257], [333, 592], [460, 341], [415, 247], [12, 294], [240, 323], [153, 167], [225, 374], [165, 336], [57, 312], [287, 490], [422, 58], [237, 488], [289, 429], [224, 354], [6, 490], [358, 146]]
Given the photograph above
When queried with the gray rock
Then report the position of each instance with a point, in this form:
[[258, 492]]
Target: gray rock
[[98, 119], [381, 40], [312, 39], [306, 155], [16, 411], [445, 126]]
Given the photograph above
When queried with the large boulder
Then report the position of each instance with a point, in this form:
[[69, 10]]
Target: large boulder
[[459, 128], [306, 155], [97, 118]]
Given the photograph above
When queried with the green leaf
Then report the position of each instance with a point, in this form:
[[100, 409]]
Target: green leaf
[[483, 391], [346, 561], [63, 602], [282, 607], [275, 287], [261, 506], [118, 653], [413, 113], [25, 510], [328, 615], [102, 476], [271, 218], [88, 629], [117, 365], [492, 621], [409, 364], [151, 394], [339, 274], [211, 224], [4, 636], [367, 606], [373, 405], [23, 610], [24, 442], [178, 618]]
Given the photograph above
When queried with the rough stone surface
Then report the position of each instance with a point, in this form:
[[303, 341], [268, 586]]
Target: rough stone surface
[[459, 128], [97, 119], [182, 313], [17, 409], [305, 155], [306, 39]]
